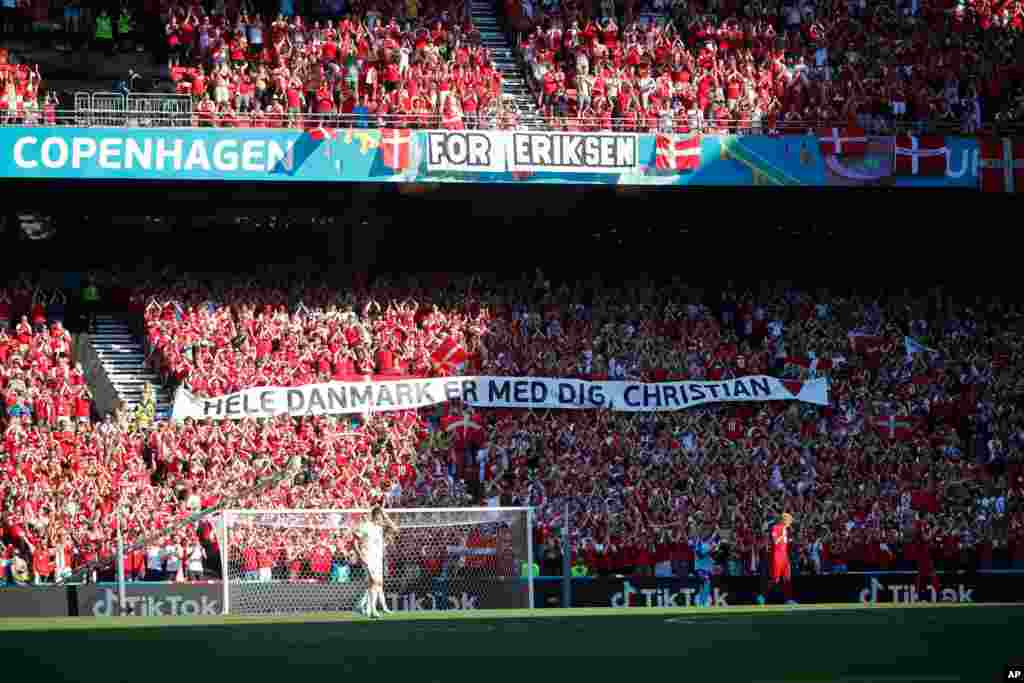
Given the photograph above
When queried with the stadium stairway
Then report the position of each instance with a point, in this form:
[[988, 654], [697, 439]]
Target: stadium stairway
[[514, 85], [123, 359]]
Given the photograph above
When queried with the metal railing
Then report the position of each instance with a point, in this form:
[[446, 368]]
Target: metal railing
[[143, 111], [134, 110]]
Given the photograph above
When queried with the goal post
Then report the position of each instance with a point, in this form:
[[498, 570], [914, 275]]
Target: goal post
[[290, 561]]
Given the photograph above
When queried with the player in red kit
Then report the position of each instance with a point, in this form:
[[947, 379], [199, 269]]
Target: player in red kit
[[922, 554], [779, 572]]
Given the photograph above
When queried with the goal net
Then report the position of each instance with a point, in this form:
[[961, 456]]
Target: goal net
[[286, 561]]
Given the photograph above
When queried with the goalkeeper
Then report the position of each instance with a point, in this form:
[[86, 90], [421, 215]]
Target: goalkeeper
[[371, 552]]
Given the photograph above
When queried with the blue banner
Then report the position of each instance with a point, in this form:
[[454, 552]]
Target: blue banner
[[391, 155]]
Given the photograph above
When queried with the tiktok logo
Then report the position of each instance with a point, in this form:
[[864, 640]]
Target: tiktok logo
[[430, 603], [662, 597], [907, 594]]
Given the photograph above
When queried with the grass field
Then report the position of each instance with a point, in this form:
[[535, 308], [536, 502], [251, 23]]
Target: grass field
[[845, 644]]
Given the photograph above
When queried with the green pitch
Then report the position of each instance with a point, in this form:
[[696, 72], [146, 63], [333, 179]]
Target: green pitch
[[845, 644]]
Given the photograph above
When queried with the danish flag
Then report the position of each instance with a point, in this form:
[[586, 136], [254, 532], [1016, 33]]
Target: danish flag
[[395, 146], [1001, 168], [465, 429], [895, 428], [843, 142], [679, 152], [449, 354], [923, 155]]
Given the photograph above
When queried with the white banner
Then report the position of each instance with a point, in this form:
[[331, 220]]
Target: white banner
[[337, 398], [467, 150], [500, 151], [574, 152]]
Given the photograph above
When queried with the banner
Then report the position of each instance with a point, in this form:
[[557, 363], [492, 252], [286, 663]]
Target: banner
[[469, 156], [574, 152], [533, 152], [425, 594], [338, 398], [863, 588], [152, 599], [33, 601], [472, 151]]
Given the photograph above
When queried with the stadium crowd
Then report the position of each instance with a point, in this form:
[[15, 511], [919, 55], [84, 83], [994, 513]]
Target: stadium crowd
[[765, 66], [427, 71], [689, 66], [22, 98], [922, 437], [709, 65]]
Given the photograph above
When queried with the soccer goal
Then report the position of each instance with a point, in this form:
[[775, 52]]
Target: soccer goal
[[287, 561]]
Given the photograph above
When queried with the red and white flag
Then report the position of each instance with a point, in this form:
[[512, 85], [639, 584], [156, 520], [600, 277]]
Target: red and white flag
[[464, 429], [320, 133], [680, 152], [896, 428], [396, 148], [924, 155], [1001, 166], [449, 354], [843, 142]]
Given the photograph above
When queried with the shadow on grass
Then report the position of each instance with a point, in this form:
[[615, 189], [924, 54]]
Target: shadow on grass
[[808, 645]]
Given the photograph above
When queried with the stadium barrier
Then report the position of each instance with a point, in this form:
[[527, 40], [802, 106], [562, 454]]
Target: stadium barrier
[[205, 599], [997, 586], [198, 599], [35, 601], [178, 111], [132, 110], [440, 156], [150, 599]]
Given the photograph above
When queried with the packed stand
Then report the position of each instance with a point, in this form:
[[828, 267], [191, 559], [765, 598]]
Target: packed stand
[[47, 418], [920, 444], [423, 68], [22, 98], [762, 67]]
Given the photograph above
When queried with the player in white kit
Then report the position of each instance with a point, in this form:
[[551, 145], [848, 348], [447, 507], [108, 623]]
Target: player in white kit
[[371, 552]]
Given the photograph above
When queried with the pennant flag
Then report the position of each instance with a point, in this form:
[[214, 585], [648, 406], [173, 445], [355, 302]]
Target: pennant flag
[[320, 133], [914, 347], [793, 387]]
